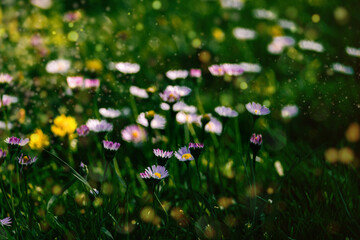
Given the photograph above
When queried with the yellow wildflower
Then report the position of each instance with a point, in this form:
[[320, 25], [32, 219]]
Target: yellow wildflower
[[94, 65], [64, 125], [38, 140]]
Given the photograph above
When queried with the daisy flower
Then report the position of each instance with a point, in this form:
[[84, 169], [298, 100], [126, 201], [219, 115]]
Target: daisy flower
[[256, 139], [156, 172], [257, 109], [138, 92], [311, 46], [244, 33], [58, 66], [182, 118], [250, 67], [351, 51], [196, 149], [278, 44], [110, 149], [234, 4], [214, 126], [255, 143], [16, 141], [181, 106], [157, 121], [134, 134], [75, 82], [26, 160], [8, 100], [5, 78], [289, 111], [6, 221], [3, 125], [112, 146], [96, 125], [286, 24], [109, 112], [165, 106], [196, 73], [232, 69], [162, 156], [174, 93], [226, 112], [176, 74], [217, 70], [341, 68], [91, 83], [264, 14], [43, 4], [2, 156], [83, 130], [184, 154], [2, 153], [127, 68]]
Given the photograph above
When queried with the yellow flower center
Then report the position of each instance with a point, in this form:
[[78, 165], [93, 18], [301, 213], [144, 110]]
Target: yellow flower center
[[135, 134], [157, 174], [186, 156], [26, 159], [256, 111], [150, 113], [151, 89]]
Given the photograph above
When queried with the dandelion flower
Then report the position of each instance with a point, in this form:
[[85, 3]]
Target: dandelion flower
[[38, 140], [64, 125]]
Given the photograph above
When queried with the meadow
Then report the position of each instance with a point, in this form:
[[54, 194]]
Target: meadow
[[211, 119]]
